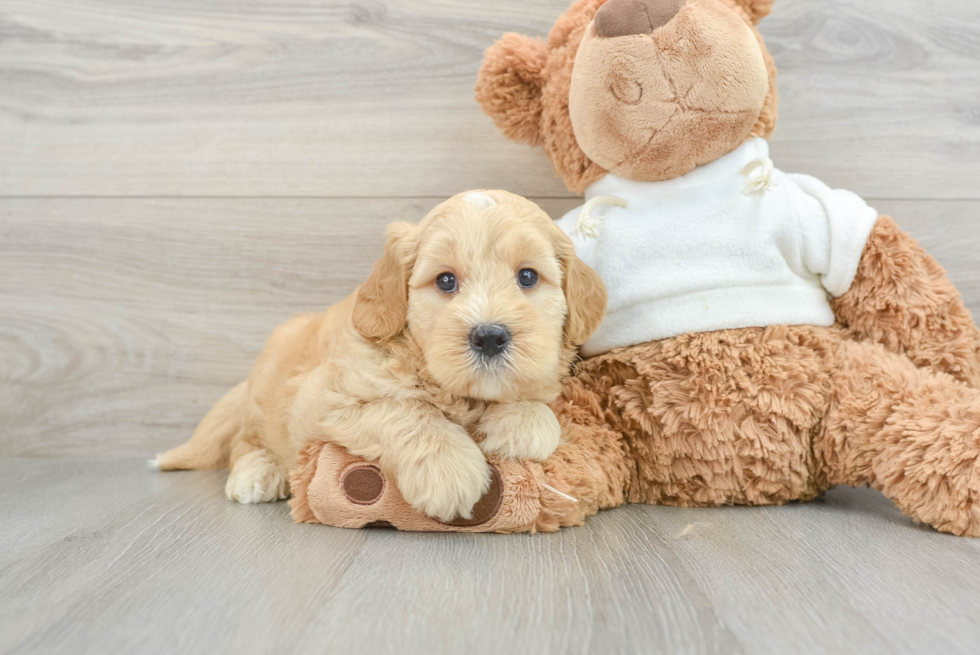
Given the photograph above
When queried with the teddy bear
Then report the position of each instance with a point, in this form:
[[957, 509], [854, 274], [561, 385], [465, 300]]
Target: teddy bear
[[767, 337]]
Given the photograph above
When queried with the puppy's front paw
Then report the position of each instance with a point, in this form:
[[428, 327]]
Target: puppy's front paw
[[520, 430], [448, 480], [256, 479]]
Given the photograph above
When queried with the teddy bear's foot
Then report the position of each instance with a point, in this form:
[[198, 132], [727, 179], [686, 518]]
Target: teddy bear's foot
[[332, 487], [911, 433]]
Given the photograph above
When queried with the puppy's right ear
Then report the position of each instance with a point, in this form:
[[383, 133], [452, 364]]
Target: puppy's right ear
[[509, 86], [381, 307], [586, 298], [585, 294]]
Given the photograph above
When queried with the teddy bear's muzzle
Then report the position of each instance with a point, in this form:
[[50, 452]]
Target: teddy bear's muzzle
[[626, 17]]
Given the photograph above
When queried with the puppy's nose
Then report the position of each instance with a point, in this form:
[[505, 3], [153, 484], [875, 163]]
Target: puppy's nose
[[490, 340], [625, 17]]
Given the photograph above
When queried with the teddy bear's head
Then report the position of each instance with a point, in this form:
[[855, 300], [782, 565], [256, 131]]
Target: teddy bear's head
[[644, 89]]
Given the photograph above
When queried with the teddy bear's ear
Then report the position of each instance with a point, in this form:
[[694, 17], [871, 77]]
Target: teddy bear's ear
[[509, 86], [756, 9]]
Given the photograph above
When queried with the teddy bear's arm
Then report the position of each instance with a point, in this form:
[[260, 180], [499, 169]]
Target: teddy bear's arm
[[902, 298]]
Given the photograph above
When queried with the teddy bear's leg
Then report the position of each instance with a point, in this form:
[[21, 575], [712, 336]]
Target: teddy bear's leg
[[910, 432], [333, 487], [902, 299], [589, 472], [716, 418], [585, 474]]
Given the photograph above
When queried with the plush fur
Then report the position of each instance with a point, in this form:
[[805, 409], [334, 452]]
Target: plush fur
[[653, 106], [902, 299], [759, 416], [390, 374], [622, 110]]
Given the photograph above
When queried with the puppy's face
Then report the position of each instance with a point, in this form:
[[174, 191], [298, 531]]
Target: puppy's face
[[493, 295]]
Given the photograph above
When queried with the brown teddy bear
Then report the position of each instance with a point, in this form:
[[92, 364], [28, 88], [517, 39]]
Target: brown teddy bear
[[767, 337]]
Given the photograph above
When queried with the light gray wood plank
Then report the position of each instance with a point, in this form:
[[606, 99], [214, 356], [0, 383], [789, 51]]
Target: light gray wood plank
[[113, 558], [808, 571], [879, 96], [329, 98], [262, 97], [121, 321]]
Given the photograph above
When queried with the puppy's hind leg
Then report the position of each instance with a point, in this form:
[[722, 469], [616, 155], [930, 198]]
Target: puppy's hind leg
[[212, 440], [256, 478]]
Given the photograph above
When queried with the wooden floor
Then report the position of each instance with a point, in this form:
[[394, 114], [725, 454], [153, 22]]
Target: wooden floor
[[104, 557], [178, 177]]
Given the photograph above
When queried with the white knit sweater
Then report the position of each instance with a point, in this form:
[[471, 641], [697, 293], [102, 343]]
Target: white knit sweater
[[721, 247]]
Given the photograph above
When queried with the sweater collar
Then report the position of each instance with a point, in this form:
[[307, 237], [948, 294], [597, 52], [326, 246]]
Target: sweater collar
[[723, 176]]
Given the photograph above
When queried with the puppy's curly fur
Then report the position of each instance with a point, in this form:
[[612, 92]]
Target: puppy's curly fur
[[391, 373]]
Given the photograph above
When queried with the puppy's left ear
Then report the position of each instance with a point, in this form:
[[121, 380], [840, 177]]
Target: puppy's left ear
[[381, 307], [585, 295]]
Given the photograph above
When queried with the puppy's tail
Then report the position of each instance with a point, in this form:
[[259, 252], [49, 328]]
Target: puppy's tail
[[208, 447]]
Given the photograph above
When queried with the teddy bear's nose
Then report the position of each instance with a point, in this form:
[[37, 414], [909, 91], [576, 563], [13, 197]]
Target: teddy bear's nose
[[625, 17]]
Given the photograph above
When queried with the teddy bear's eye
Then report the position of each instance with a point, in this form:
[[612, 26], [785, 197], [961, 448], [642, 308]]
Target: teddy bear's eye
[[527, 278], [446, 282]]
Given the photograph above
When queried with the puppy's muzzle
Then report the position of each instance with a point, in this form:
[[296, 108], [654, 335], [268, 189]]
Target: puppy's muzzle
[[490, 340]]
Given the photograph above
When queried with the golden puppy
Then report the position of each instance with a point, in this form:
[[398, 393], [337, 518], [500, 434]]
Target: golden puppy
[[467, 325]]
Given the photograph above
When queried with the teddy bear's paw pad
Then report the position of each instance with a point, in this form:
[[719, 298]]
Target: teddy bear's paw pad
[[487, 507], [363, 484]]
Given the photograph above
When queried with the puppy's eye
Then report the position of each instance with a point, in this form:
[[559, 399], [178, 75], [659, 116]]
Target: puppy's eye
[[527, 278], [446, 282]]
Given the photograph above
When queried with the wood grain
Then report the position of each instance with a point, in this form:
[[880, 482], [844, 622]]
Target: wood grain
[[179, 177], [879, 96], [375, 98], [112, 558], [122, 320]]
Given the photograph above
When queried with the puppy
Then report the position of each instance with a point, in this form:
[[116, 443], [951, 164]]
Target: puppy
[[466, 326]]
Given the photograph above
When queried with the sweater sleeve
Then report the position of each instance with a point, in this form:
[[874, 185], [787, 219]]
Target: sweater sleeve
[[836, 225]]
